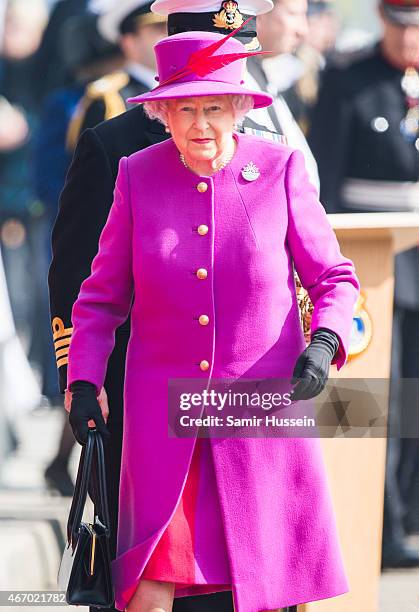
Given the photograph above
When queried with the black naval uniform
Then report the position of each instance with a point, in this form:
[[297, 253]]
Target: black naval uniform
[[349, 137], [362, 157], [83, 210]]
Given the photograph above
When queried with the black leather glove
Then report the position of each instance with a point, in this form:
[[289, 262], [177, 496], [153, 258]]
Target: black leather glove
[[312, 368], [85, 406]]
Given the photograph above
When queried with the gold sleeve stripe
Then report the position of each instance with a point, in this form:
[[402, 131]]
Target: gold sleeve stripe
[[62, 361], [64, 342], [59, 330], [61, 353]]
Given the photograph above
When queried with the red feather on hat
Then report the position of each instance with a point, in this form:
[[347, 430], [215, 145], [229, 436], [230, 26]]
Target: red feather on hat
[[204, 61]]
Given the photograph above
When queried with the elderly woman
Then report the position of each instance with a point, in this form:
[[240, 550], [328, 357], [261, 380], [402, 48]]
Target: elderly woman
[[200, 245]]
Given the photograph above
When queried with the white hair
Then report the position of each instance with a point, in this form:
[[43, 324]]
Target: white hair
[[242, 104]]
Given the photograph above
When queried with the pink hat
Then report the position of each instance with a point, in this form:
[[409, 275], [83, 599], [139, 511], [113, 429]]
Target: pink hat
[[201, 64]]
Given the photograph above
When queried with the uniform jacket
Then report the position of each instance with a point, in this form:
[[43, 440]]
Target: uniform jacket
[[347, 144], [273, 492]]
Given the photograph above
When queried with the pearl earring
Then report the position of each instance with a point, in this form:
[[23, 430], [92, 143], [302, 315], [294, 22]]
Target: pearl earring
[[166, 129]]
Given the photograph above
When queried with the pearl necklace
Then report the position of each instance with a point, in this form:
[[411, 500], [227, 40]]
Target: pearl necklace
[[220, 167]]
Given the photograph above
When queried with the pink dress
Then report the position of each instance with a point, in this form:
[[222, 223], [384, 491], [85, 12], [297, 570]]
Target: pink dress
[[192, 551]]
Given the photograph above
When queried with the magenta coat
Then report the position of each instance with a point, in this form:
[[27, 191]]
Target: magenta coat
[[274, 498]]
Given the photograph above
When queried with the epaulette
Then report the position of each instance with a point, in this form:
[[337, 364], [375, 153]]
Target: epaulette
[[273, 136], [106, 89]]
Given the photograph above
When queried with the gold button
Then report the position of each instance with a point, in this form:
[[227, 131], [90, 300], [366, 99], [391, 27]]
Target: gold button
[[202, 187], [202, 230], [202, 273], [204, 319], [204, 365]]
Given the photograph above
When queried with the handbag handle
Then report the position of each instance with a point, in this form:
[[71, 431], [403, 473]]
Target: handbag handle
[[80, 489], [101, 504]]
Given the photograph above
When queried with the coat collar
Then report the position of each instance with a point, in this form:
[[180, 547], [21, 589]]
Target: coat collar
[[246, 152]]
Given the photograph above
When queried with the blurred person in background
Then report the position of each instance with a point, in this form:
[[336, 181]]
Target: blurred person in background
[[15, 399], [313, 53], [21, 30], [85, 56], [49, 68], [84, 207], [365, 136], [20, 213], [8, 438], [282, 31]]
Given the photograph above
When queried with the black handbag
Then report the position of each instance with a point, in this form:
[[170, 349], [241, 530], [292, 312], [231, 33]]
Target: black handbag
[[85, 568]]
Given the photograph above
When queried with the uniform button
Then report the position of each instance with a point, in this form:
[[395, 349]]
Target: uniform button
[[204, 365], [202, 230], [204, 320], [202, 187], [202, 273]]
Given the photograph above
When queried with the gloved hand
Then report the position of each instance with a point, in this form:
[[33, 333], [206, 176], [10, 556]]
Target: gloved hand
[[85, 406], [312, 368]]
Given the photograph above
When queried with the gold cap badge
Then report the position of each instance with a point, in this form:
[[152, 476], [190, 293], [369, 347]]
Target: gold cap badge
[[229, 17]]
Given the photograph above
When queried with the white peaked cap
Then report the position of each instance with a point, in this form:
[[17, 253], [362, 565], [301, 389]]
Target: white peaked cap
[[112, 13], [247, 7]]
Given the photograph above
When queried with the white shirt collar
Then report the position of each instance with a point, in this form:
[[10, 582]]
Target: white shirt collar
[[142, 73]]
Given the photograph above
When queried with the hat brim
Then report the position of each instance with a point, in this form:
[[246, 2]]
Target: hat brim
[[248, 7], [192, 89], [402, 16]]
